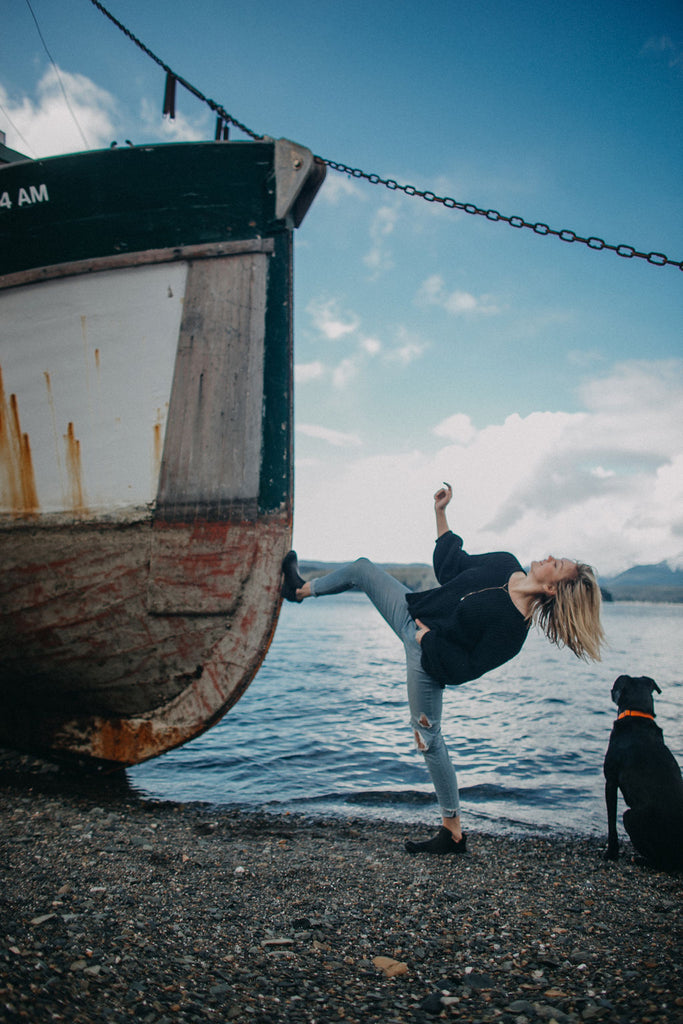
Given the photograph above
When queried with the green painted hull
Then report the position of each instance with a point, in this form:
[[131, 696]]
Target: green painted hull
[[127, 200]]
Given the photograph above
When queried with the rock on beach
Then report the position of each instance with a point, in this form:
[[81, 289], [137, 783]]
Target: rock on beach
[[117, 909]]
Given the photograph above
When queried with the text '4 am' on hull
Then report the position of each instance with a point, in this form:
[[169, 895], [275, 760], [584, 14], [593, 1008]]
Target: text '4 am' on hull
[[145, 437]]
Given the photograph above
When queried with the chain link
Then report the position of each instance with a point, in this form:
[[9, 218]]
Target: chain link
[[657, 259], [216, 107], [628, 252]]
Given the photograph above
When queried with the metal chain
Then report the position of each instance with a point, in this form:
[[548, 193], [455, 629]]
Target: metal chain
[[657, 259], [628, 252], [216, 107]]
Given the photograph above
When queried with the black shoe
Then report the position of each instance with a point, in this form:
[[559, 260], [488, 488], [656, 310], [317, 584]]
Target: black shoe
[[442, 843], [292, 581]]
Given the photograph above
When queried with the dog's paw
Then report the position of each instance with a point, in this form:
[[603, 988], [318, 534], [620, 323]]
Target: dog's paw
[[611, 853]]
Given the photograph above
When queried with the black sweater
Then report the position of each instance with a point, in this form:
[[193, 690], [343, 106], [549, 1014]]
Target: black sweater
[[472, 629]]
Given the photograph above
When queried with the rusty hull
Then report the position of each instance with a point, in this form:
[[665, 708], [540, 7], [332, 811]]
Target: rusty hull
[[68, 590]]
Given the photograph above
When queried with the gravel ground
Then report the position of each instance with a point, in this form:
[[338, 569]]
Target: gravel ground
[[115, 909]]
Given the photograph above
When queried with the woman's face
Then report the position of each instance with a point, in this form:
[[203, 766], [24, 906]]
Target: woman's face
[[550, 571]]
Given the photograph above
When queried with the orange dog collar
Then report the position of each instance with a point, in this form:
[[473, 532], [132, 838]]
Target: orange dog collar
[[635, 714]]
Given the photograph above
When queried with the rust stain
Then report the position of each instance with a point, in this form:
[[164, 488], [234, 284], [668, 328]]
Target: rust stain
[[157, 444], [98, 370], [53, 417], [130, 741], [27, 477], [17, 477], [8, 455], [74, 470]]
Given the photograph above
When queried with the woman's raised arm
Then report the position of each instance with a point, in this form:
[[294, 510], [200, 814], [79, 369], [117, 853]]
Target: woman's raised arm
[[441, 500]]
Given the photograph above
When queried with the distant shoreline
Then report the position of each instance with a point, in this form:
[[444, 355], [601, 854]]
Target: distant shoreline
[[419, 576]]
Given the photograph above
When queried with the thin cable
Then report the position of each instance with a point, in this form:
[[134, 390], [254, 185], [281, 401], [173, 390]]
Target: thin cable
[[25, 142], [59, 77], [216, 107]]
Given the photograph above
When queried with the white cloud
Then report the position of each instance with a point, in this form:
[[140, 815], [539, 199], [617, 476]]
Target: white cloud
[[378, 258], [343, 374], [433, 292], [178, 129], [305, 372], [407, 350], [406, 353], [457, 428], [604, 484], [334, 324], [50, 125], [338, 187], [373, 346], [667, 47], [460, 302], [431, 289], [337, 438], [642, 398], [329, 322]]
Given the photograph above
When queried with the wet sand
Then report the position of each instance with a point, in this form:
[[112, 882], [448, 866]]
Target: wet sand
[[115, 909]]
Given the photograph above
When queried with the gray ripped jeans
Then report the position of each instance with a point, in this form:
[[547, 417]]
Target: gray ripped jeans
[[425, 695]]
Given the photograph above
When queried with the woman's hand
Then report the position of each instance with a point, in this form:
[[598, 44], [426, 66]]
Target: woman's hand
[[443, 497], [441, 500], [421, 630]]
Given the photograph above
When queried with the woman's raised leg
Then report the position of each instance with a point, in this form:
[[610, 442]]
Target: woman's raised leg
[[386, 593]]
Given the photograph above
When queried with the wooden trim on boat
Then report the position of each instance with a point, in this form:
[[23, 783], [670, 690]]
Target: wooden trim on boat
[[120, 261], [214, 434]]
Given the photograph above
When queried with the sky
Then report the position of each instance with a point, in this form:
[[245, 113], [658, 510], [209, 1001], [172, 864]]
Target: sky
[[542, 379]]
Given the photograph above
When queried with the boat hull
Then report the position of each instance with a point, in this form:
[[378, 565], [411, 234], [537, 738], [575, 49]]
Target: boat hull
[[146, 486]]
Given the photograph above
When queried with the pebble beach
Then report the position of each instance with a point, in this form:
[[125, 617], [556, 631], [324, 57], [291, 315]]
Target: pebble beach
[[114, 908]]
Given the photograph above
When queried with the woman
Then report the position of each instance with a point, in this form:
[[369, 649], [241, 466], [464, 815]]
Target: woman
[[477, 619]]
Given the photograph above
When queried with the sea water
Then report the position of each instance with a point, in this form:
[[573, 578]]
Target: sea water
[[323, 728]]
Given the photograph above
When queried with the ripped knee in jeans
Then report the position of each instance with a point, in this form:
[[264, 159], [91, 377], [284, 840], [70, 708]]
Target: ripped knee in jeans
[[422, 744]]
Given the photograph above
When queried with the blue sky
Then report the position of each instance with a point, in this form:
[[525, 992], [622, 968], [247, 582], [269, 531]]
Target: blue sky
[[543, 380]]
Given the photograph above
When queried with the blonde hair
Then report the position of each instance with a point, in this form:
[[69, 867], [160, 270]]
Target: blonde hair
[[571, 616]]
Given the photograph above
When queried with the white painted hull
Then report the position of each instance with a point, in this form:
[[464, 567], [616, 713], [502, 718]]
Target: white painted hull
[[90, 362]]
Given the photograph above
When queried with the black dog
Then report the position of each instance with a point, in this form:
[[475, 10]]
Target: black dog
[[639, 763]]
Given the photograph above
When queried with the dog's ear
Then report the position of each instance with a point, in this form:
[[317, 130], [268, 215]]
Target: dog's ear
[[617, 689], [652, 683]]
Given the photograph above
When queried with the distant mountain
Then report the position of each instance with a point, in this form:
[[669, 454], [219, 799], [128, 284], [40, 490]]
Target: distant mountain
[[646, 583], [641, 583], [659, 575]]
